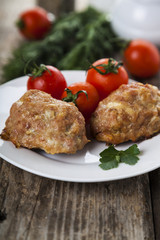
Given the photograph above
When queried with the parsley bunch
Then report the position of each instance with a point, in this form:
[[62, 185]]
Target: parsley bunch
[[75, 40], [111, 157]]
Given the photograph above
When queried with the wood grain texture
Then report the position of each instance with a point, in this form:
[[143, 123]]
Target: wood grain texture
[[154, 177], [57, 7], [39, 208]]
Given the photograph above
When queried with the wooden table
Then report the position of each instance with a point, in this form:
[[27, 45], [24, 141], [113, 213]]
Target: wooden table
[[43, 209]]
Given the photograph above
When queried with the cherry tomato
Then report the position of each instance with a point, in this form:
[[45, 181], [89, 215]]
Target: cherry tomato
[[34, 24], [48, 79], [86, 101], [106, 75], [142, 59]]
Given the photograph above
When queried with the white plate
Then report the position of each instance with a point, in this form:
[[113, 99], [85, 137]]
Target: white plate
[[79, 167]]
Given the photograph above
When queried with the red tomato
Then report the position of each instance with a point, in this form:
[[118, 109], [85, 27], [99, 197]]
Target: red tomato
[[86, 104], [48, 79], [106, 83], [34, 23], [142, 59]]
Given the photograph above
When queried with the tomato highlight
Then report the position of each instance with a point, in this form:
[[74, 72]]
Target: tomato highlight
[[106, 75], [84, 96], [34, 24], [48, 79], [142, 59]]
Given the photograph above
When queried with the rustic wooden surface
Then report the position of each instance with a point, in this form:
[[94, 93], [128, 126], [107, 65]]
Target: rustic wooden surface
[[57, 7], [39, 208], [43, 209]]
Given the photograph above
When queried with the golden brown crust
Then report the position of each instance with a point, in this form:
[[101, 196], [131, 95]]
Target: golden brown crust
[[131, 112], [38, 121]]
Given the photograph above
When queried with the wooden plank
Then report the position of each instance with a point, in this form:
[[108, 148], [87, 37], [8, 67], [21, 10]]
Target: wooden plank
[[154, 177], [57, 7], [39, 208], [18, 194]]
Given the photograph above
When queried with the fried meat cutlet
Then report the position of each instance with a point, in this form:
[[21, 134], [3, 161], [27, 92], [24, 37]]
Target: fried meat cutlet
[[39, 121], [131, 112]]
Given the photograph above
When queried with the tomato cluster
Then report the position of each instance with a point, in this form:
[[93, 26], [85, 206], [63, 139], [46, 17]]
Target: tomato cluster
[[103, 77], [141, 58]]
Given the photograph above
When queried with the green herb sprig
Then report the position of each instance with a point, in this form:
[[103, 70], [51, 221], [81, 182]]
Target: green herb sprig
[[111, 157], [73, 40]]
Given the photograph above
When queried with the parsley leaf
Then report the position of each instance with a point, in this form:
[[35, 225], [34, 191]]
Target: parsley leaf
[[110, 151], [111, 157], [109, 165]]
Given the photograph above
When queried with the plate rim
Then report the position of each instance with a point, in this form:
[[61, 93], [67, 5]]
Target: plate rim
[[76, 180], [60, 178]]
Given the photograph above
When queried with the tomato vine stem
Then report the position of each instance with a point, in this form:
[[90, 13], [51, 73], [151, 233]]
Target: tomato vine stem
[[73, 97], [111, 67]]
